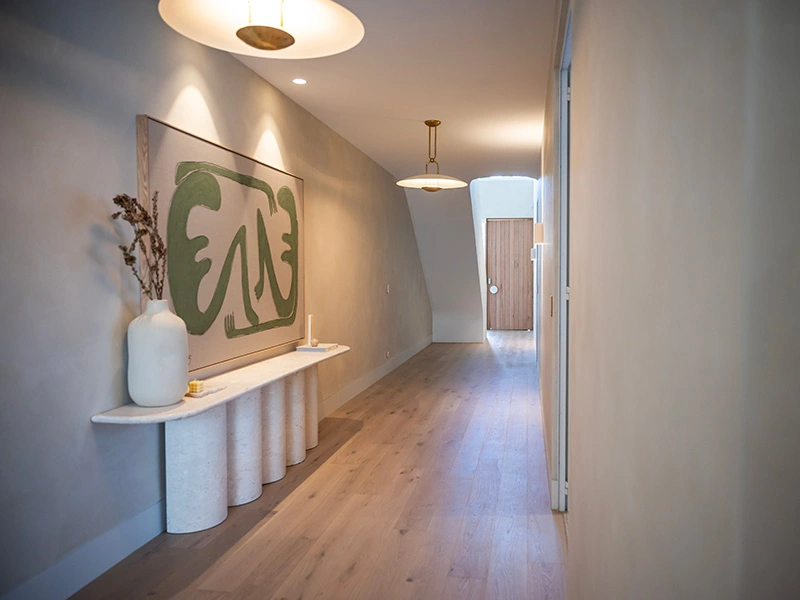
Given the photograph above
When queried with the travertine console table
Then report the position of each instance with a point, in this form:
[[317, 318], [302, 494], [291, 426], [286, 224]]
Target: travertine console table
[[221, 448]]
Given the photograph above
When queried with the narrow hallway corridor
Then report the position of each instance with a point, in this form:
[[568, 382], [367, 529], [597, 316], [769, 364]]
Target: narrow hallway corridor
[[431, 484]]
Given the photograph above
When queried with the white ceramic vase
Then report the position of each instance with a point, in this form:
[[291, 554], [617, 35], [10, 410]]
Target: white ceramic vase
[[158, 356]]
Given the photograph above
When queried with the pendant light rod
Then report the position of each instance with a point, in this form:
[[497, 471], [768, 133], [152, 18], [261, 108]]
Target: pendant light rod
[[432, 127], [265, 37]]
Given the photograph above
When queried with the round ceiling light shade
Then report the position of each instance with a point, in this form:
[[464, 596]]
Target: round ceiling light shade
[[288, 29], [432, 182]]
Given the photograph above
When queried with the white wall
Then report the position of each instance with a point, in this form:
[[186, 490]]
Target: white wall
[[684, 329], [503, 197], [73, 76], [449, 231], [443, 224], [498, 198]]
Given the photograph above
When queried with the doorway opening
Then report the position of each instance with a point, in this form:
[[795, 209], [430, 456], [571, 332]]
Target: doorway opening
[[560, 501], [504, 198]]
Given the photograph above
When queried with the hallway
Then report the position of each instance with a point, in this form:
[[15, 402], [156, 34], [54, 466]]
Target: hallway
[[429, 484]]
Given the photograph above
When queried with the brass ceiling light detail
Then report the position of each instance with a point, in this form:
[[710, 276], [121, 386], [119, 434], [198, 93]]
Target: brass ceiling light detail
[[432, 182], [265, 37], [285, 29]]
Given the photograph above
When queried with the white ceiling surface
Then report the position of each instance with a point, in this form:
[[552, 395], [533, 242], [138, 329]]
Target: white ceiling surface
[[479, 66]]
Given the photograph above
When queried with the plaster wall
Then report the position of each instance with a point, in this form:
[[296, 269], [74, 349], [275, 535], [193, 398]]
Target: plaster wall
[[684, 331], [443, 224], [549, 252], [73, 76]]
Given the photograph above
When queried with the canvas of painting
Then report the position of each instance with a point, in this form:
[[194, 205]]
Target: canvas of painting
[[233, 227]]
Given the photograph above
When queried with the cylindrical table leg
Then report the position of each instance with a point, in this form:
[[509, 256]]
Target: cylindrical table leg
[[312, 407], [244, 448], [197, 471], [273, 432], [295, 419]]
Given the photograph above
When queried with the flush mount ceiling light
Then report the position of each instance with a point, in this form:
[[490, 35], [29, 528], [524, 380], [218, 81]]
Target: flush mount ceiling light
[[432, 182], [289, 29]]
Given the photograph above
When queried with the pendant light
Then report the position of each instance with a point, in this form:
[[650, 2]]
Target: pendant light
[[432, 182], [288, 29]]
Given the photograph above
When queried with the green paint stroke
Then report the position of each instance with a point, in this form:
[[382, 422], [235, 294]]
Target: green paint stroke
[[197, 186]]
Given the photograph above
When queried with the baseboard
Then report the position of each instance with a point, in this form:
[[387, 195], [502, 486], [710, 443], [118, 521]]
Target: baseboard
[[94, 558], [354, 388]]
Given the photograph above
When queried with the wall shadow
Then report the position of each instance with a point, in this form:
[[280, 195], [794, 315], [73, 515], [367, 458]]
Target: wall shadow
[[195, 553]]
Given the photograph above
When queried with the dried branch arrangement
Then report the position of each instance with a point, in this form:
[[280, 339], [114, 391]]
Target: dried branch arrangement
[[152, 249]]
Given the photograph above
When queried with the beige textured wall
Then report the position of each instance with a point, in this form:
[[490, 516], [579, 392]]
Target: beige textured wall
[[770, 448], [446, 240], [684, 333], [72, 78]]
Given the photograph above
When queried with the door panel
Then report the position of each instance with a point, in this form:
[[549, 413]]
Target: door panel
[[509, 267]]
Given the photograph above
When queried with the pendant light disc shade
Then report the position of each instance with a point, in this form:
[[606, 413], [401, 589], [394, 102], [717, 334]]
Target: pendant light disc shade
[[432, 182], [263, 37], [318, 27]]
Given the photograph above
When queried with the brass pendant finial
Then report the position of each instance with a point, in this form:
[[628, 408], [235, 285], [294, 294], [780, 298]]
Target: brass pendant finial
[[263, 37]]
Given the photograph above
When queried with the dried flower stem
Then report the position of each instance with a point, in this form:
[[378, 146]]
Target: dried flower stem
[[152, 249]]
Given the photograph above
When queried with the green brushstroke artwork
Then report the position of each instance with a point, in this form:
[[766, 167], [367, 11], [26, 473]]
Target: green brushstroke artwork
[[198, 186]]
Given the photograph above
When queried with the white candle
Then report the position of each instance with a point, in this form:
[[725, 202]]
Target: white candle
[[310, 323]]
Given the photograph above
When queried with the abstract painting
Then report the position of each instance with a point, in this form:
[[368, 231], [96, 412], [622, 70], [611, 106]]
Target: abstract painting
[[233, 228]]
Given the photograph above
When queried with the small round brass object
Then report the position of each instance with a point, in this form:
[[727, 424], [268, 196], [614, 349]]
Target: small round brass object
[[433, 122], [263, 37], [431, 189]]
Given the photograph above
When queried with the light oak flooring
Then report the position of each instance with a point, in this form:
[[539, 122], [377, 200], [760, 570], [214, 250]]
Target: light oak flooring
[[430, 484]]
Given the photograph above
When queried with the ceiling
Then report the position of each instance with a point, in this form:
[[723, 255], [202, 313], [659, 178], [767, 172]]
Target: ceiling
[[479, 66]]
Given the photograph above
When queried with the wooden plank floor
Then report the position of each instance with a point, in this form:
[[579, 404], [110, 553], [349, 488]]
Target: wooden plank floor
[[430, 484]]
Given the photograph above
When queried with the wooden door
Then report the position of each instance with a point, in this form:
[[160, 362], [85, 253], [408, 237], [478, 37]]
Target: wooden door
[[510, 273]]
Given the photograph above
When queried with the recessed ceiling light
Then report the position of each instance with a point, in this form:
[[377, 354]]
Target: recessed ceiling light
[[299, 81]]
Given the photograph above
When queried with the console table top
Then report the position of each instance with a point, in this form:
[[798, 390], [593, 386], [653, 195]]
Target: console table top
[[236, 382]]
